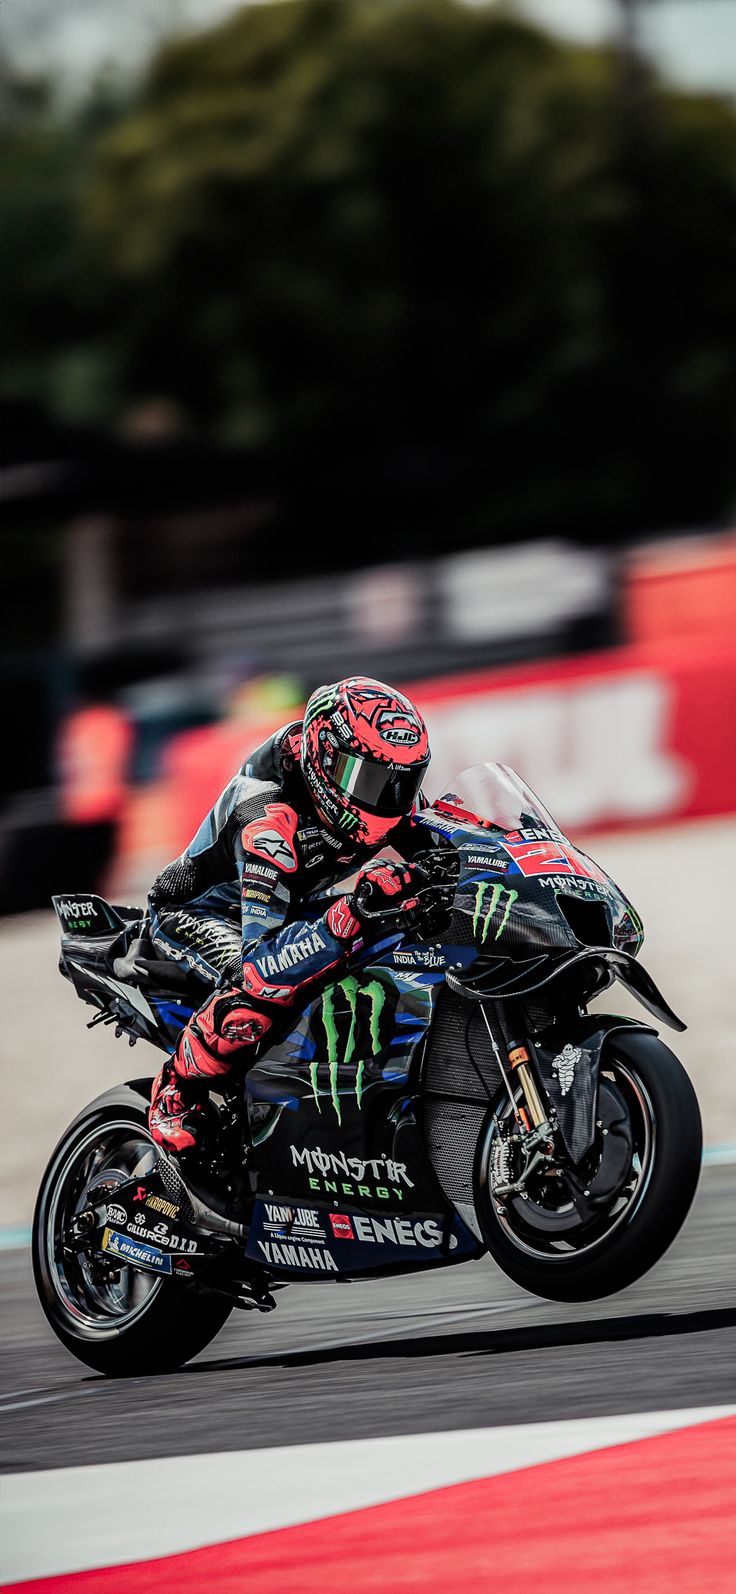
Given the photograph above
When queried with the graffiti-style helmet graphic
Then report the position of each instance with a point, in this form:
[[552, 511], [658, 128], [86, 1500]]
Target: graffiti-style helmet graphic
[[364, 754]]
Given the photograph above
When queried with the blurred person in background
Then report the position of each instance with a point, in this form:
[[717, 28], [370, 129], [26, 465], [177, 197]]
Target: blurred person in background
[[94, 751], [313, 803]]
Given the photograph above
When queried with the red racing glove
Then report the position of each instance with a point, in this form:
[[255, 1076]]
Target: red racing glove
[[387, 891]]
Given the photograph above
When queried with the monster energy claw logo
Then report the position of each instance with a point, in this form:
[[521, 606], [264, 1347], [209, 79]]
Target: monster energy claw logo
[[317, 702], [375, 995], [500, 897]]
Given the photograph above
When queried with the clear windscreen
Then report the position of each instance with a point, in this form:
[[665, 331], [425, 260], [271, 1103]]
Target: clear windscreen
[[496, 794]]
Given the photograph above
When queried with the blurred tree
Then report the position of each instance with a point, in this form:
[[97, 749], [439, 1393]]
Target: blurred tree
[[412, 251], [53, 361]]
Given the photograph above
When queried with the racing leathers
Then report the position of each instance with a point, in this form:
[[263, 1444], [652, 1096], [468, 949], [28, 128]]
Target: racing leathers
[[230, 907]]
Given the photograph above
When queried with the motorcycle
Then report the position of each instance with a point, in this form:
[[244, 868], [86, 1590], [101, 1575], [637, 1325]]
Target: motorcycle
[[450, 1095]]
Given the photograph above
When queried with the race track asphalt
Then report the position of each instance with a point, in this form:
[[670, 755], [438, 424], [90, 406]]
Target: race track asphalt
[[462, 1349]]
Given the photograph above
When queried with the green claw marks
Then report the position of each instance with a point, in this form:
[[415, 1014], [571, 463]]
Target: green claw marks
[[482, 922], [631, 919], [313, 1066], [347, 820], [317, 702], [374, 994]]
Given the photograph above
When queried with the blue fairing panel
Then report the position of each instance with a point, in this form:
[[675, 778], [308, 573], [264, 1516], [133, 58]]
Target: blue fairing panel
[[362, 1030], [317, 1242]]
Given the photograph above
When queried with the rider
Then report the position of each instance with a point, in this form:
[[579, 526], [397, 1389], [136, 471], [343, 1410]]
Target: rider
[[312, 804]]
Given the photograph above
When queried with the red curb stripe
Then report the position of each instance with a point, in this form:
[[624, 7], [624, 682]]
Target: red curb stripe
[[656, 1516]]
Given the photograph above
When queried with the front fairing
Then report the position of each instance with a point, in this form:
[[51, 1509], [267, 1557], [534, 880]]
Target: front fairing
[[529, 889]]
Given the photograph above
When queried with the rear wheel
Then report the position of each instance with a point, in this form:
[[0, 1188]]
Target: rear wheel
[[115, 1318], [557, 1242]]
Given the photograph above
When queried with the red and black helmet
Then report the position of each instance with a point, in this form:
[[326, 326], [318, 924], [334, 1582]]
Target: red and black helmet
[[364, 754]]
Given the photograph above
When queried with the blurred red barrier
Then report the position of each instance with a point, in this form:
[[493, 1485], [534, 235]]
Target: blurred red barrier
[[637, 736], [93, 754], [681, 589]]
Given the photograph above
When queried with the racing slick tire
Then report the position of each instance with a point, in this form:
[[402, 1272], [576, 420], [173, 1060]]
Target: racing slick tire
[[137, 1323]]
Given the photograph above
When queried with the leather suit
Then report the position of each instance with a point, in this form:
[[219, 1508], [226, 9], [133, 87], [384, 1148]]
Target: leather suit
[[230, 907]]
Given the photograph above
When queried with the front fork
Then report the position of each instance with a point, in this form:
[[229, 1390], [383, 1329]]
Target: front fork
[[534, 1114], [536, 1132]]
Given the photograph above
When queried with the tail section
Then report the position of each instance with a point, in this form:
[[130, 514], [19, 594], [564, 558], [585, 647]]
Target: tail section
[[86, 916]]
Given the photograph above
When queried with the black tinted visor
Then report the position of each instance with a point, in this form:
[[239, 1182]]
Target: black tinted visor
[[386, 789]]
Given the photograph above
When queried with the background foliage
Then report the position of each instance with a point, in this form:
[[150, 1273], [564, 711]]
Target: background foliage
[[431, 266]]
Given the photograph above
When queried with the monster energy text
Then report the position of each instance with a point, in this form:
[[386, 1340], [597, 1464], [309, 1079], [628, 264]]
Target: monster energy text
[[374, 995], [360, 1176], [485, 907]]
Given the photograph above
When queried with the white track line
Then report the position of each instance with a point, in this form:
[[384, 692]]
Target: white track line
[[137, 1510], [718, 1156], [395, 1329], [49, 1400]]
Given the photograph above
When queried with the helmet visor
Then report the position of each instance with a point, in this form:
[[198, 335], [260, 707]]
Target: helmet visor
[[387, 789]]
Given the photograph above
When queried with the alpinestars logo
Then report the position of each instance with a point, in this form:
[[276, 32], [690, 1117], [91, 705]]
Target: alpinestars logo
[[489, 898], [274, 846], [564, 1065], [365, 1005]]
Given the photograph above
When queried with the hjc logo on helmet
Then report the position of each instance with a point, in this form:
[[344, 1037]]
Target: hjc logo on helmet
[[398, 729]]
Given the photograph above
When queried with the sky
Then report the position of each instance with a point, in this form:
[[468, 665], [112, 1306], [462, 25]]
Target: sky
[[693, 42]]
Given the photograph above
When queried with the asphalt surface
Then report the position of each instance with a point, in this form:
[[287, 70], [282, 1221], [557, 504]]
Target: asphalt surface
[[464, 1348]]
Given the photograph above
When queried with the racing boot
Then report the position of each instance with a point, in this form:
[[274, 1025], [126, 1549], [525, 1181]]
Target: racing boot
[[226, 1031], [185, 1125], [177, 1116]]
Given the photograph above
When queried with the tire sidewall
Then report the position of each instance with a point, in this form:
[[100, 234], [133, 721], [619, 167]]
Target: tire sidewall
[[94, 1118]]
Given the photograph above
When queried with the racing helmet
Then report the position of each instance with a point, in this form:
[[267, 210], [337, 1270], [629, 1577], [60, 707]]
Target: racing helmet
[[364, 754]]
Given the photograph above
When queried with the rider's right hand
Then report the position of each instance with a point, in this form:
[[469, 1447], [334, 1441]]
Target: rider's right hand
[[386, 889]]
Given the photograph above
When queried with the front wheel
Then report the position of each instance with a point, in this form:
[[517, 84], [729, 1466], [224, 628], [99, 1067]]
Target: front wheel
[[117, 1319], [555, 1248]]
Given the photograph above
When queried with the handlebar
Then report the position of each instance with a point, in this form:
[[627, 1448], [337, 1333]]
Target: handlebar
[[435, 893]]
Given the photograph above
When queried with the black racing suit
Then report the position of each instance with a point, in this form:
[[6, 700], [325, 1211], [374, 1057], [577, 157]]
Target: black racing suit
[[230, 905]]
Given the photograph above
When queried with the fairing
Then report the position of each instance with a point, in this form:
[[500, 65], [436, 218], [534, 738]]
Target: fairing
[[524, 889], [587, 973], [331, 1106], [333, 1114]]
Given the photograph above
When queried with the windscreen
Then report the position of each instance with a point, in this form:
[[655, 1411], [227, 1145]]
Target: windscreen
[[496, 794]]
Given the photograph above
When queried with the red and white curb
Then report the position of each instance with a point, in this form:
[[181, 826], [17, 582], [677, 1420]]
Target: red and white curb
[[644, 1501]]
